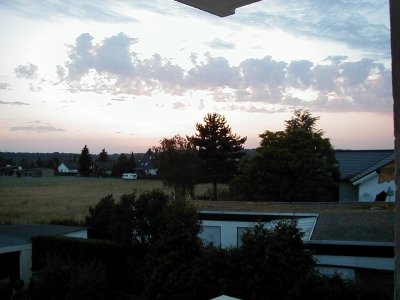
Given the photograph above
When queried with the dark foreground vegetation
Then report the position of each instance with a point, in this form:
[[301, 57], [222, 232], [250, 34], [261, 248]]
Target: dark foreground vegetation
[[147, 247]]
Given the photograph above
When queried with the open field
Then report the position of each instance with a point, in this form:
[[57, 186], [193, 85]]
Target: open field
[[43, 199]]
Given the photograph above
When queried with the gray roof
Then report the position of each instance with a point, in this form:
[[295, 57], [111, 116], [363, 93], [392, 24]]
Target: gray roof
[[72, 165], [374, 167], [104, 165], [337, 221], [21, 234], [352, 163]]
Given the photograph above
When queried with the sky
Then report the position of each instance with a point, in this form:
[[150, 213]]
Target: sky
[[121, 75]]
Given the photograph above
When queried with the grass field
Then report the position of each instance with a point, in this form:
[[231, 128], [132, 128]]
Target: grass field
[[43, 199]]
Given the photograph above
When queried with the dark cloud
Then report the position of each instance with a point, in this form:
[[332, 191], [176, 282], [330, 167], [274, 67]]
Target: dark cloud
[[221, 44], [13, 103], [28, 71]]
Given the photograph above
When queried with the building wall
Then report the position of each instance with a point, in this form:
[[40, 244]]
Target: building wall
[[347, 192], [62, 168], [227, 234], [372, 187]]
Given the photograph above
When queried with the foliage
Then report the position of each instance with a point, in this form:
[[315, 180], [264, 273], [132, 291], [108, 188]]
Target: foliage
[[122, 165], [69, 280], [170, 259], [85, 161], [269, 262], [103, 156], [149, 219], [178, 164], [297, 164], [48, 163], [220, 150], [61, 264], [132, 162], [163, 258], [112, 221], [6, 161], [131, 221]]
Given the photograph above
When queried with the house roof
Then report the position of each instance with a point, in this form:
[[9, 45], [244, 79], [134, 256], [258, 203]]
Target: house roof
[[72, 165], [146, 162], [374, 167], [104, 165], [337, 221], [21, 234], [354, 163]]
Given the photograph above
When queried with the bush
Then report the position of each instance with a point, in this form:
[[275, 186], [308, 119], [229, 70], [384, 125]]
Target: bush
[[69, 280], [70, 251]]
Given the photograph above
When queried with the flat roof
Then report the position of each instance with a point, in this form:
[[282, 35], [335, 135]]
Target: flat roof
[[337, 221], [21, 234]]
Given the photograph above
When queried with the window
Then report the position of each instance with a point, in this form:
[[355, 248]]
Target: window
[[211, 235]]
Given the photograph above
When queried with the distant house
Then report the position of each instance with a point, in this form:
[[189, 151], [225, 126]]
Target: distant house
[[68, 167], [16, 248], [146, 166], [102, 168], [8, 170], [365, 174]]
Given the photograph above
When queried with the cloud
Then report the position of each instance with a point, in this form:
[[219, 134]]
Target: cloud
[[28, 71], [115, 68], [359, 24], [215, 72], [38, 127], [299, 74], [34, 88], [108, 11], [335, 84], [4, 86], [221, 44], [13, 103], [179, 105], [201, 104]]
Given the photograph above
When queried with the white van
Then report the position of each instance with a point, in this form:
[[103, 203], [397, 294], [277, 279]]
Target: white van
[[129, 176]]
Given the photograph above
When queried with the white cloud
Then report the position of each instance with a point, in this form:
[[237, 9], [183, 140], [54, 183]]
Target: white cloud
[[179, 105], [28, 71], [337, 84], [218, 43]]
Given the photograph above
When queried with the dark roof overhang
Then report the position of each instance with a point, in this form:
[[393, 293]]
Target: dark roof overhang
[[221, 8]]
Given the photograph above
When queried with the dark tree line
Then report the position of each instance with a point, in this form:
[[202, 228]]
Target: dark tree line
[[212, 154], [296, 164], [123, 164]]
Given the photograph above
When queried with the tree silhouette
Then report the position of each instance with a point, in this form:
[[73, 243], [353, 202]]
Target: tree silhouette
[[103, 156], [178, 164], [297, 164], [220, 150], [85, 161]]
